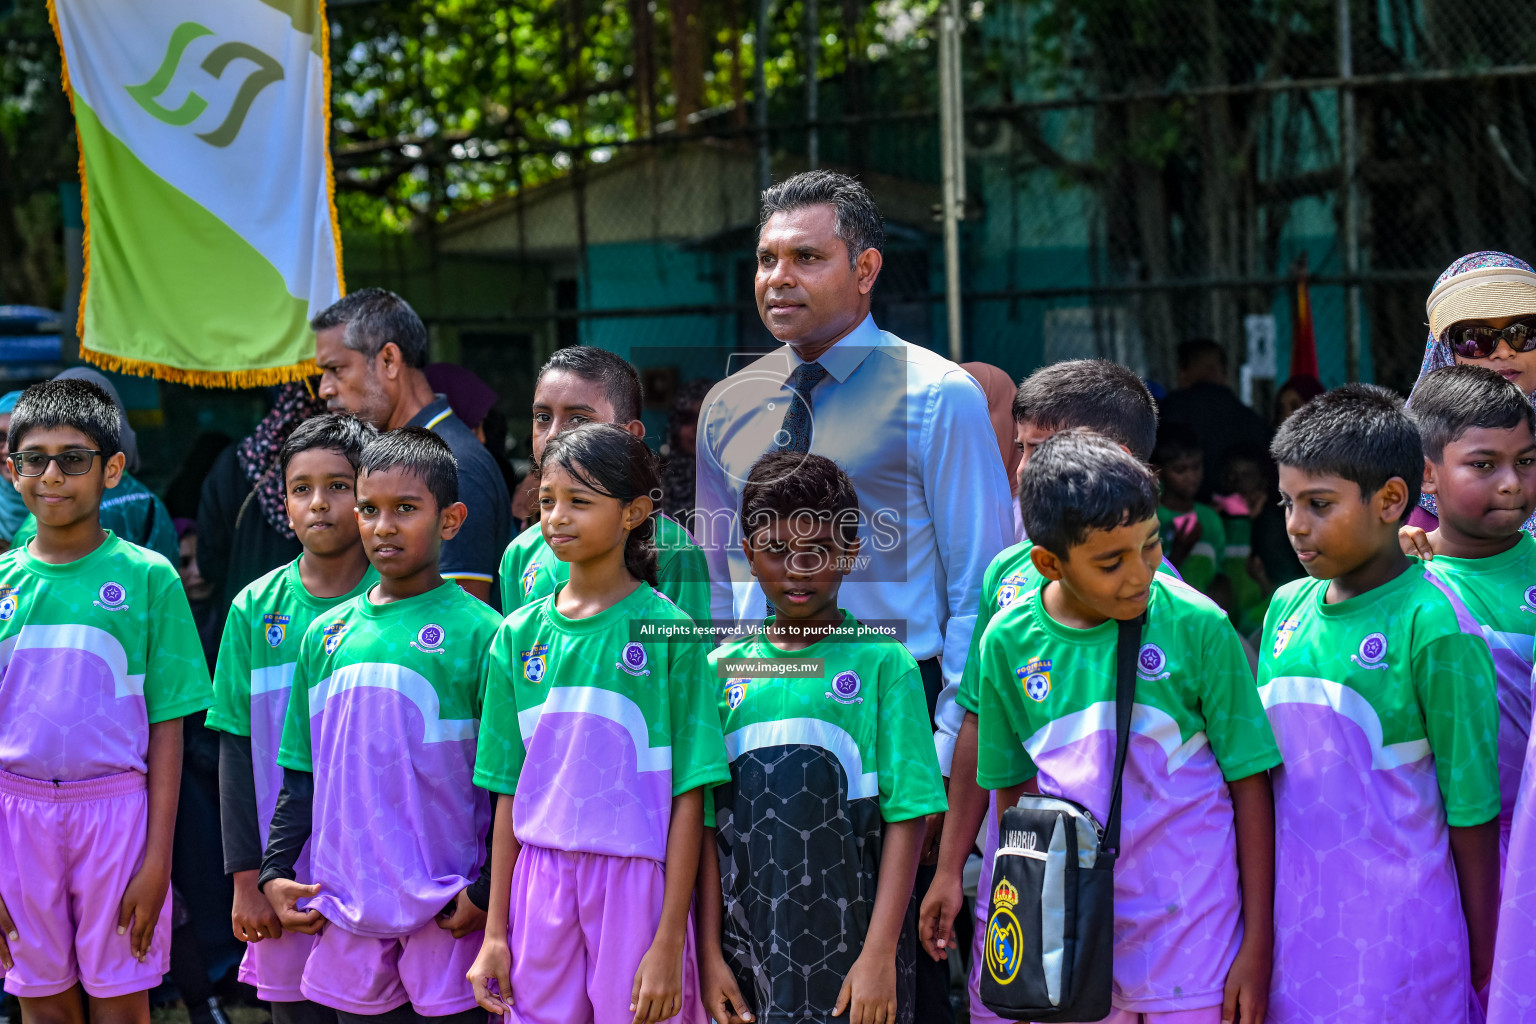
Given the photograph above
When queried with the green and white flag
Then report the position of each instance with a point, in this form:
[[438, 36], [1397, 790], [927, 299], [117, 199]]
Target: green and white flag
[[210, 230]]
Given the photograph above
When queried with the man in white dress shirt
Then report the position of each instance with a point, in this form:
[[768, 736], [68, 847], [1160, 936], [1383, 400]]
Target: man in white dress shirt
[[910, 427]]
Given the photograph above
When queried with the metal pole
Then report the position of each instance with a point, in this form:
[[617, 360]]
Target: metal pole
[[1351, 196], [952, 149], [812, 59], [760, 87]]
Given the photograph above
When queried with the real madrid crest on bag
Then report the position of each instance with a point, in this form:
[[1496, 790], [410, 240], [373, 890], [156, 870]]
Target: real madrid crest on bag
[[1048, 952]]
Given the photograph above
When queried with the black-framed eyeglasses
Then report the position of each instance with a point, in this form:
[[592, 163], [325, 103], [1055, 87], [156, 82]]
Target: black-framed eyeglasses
[[1479, 341], [72, 461]]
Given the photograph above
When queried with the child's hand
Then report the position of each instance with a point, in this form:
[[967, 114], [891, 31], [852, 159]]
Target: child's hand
[[461, 917], [936, 918], [252, 918], [141, 905], [7, 936], [869, 991], [658, 990], [284, 895], [721, 995], [1415, 543], [493, 964], [1247, 994]]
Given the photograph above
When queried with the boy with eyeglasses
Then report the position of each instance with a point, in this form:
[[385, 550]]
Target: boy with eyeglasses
[[99, 661]]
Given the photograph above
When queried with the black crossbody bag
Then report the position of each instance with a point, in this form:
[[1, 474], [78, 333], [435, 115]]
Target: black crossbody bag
[[1049, 949]]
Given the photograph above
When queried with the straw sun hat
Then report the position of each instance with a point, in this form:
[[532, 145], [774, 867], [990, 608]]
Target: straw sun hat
[[1485, 293]]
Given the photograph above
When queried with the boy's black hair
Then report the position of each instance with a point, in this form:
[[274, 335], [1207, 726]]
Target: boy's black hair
[[1359, 432], [1195, 349], [419, 452], [1102, 396], [71, 402], [1080, 481], [1175, 441], [794, 486], [614, 462], [620, 380], [345, 435], [1454, 399]]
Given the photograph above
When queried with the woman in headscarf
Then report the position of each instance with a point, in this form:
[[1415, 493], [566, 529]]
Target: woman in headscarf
[[1478, 314], [999, 390], [242, 522]]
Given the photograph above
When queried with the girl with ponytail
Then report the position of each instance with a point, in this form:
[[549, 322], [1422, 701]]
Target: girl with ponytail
[[600, 730]]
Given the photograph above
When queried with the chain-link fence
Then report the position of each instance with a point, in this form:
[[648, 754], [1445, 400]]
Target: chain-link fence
[[1139, 172]]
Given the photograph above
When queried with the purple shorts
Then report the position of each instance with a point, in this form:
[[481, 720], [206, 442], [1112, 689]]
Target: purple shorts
[[67, 852], [428, 968], [275, 966], [579, 924]]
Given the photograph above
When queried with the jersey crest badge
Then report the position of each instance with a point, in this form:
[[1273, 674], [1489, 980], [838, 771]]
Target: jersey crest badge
[[1008, 589], [111, 597], [1372, 650], [1530, 601], [735, 693], [332, 634], [429, 639], [277, 628], [633, 659], [1035, 677], [533, 662], [1283, 634], [1005, 939], [530, 576], [845, 688], [7, 603], [1152, 663]]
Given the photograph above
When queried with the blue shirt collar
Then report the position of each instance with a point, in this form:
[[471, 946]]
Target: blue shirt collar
[[848, 354]]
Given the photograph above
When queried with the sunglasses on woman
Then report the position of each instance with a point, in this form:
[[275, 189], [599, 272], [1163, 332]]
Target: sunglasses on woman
[[1478, 341], [72, 462]]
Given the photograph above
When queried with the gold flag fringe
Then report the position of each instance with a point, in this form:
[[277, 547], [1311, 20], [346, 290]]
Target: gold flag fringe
[[202, 378]]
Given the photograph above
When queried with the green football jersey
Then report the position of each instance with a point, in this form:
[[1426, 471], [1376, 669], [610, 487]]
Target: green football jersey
[[1385, 710], [530, 571], [1048, 712], [92, 653], [594, 731], [384, 710], [1500, 592], [818, 765], [257, 658], [1203, 563]]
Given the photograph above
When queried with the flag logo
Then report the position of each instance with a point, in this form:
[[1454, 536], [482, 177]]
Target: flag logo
[[146, 94]]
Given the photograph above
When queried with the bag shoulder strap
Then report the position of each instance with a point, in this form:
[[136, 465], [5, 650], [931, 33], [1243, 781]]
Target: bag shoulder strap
[[1126, 649]]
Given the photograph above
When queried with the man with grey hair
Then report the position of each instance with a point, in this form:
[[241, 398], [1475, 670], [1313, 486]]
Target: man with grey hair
[[909, 427], [371, 348]]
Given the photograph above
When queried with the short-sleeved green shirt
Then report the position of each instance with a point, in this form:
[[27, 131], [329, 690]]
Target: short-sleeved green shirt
[[594, 729], [257, 658], [818, 765], [530, 571], [92, 653], [1204, 561]]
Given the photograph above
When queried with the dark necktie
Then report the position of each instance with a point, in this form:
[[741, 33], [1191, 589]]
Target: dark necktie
[[795, 434]]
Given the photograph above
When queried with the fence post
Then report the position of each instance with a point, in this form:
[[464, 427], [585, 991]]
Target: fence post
[[812, 59], [952, 153], [1350, 194], [760, 86]]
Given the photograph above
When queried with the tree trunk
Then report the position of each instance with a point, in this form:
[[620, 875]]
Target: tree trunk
[[687, 61]]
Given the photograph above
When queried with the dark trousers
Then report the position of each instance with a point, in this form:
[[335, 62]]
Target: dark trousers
[[932, 1002]]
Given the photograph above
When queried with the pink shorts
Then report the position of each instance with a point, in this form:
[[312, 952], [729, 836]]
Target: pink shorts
[[67, 852], [428, 968], [275, 966], [579, 924], [981, 1015]]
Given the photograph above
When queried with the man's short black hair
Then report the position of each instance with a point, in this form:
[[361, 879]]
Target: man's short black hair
[[72, 402], [345, 435], [799, 487], [373, 318], [1359, 432], [417, 451], [1175, 441], [1454, 399], [618, 377], [1195, 349], [1102, 396], [1080, 481], [858, 219]]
